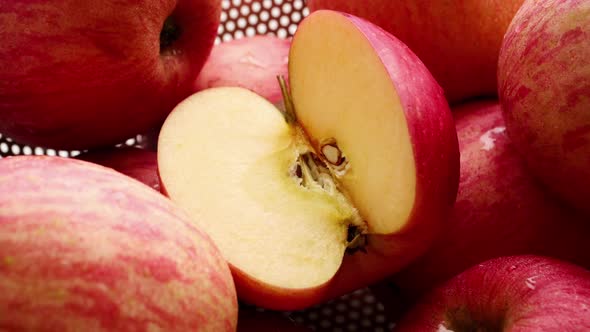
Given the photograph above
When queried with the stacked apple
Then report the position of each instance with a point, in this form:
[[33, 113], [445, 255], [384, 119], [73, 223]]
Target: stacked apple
[[347, 170], [85, 248]]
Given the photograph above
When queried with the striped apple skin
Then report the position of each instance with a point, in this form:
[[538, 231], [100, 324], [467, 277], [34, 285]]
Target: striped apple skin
[[84, 248]]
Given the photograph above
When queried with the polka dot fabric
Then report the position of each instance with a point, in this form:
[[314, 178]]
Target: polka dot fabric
[[358, 311]]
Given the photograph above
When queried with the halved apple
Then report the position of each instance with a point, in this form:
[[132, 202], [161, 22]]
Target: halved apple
[[363, 161]]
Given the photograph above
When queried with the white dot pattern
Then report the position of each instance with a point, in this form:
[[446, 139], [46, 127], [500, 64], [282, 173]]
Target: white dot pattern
[[358, 311]]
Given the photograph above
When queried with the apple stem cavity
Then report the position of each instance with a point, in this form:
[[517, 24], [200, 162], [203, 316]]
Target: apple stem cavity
[[170, 33], [461, 319], [289, 110]]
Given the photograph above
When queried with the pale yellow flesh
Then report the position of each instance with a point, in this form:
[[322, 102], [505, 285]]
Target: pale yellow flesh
[[225, 156], [341, 90]]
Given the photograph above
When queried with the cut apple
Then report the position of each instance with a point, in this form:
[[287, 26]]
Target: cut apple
[[364, 160]]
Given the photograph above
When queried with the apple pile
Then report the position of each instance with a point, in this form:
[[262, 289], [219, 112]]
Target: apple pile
[[285, 173]]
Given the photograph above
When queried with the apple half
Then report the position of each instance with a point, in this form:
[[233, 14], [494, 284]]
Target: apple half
[[346, 186]]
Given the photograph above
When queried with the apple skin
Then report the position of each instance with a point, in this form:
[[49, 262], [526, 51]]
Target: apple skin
[[85, 248], [78, 74], [459, 41], [510, 293], [500, 210], [251, 62], [137, 163], [544, 88]]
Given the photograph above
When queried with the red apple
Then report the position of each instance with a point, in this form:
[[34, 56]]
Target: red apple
[[85, 248], [251, 62], [544, 87], [78, 74], [457, 40], [345, 188], [500, 210], [251, 320], [137, 163], [515, 293]]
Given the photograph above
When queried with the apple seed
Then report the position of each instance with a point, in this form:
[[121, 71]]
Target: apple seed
[[332, 153]]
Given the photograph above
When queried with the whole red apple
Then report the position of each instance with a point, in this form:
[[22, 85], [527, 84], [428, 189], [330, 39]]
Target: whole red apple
[[78, 74], [458, 40], [137, 163], [85, 248], [251, 62], [514, 293], [500, 210], [544, 87]]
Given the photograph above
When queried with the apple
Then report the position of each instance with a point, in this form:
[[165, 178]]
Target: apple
[[85, 248], [500, 210], [544, 87], [251, 62], [78, 74], [251, 320], [514, 293], [137, 163], [459, 41], [351, 183]]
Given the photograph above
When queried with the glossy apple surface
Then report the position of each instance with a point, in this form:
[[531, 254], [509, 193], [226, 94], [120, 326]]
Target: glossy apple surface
[[344, 191], [137, 163], [85, 248], [77, 74], [457, 40], [250, 62], [501, 209], [544, 87], [515, 293]]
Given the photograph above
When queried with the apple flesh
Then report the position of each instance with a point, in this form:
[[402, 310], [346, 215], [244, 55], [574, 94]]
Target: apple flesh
[[78, 74], [85, 248], [364, 161], [251, 62], [514, 293], [458, 40], [500, 210], [544, 87], [137, 163]]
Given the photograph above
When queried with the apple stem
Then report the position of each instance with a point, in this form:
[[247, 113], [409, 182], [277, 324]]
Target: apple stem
[[289, 111]]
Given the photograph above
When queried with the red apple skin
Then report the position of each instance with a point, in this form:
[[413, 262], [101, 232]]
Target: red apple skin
[[515, 293], [85, 248], [459, 40], [433, 134], [78, 74], [544, 87], [251, 62], [250, 320], [500, 210], [137, 163]]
